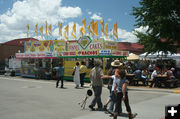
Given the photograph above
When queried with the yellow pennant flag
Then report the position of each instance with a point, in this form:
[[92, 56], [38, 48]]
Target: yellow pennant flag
[[89, 29], [27, 30], [115, 35], [50, 29], [84, 24], [74, 28], [96, 28], [36, 30], [115, 27], [67, 30], [46, 33], [81, 31], [92, 27], [106, 35], [115, 31], [60, 28], [65, 36], [27, 27], [102, 24], [106, 30], [73, 35], [41, 31]]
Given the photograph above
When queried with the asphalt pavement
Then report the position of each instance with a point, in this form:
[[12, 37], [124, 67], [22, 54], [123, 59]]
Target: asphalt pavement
[[24, 98]]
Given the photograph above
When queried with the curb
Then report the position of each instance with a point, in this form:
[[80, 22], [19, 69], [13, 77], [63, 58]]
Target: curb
[[176, 91], [154, 90]]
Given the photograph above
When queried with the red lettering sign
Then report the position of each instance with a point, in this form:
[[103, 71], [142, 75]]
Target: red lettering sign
[[87, 53]]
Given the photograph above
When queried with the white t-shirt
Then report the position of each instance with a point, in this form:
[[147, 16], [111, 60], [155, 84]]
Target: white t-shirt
[[153, 74]]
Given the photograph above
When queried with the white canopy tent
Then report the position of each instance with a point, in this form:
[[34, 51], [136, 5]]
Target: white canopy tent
[[132, 56], [158, 55], [161, 55]]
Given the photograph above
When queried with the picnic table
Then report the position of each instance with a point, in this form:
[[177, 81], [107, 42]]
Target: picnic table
[[160, 79]]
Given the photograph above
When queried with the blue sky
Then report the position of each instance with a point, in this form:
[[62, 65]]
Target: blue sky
[[117, 10], [16, 14]]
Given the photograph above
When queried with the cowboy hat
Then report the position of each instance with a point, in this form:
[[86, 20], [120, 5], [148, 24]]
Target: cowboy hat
[[116, 63]]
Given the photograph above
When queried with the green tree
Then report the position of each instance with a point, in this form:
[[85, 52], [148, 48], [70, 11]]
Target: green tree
[[163, 20]]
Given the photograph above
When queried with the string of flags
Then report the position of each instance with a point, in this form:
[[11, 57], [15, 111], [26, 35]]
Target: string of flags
[[92, 30]]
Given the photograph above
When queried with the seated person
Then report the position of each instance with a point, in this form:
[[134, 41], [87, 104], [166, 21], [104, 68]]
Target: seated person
[[144, 76], [129, 70], [138, 74], [170, 74], [153, 76]]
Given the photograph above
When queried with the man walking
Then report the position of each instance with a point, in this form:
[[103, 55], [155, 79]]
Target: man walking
[[60, 75], [97, 83], [82, 70]]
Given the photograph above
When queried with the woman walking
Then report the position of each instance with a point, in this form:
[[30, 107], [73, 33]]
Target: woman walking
[[120, 89], [77, 75]]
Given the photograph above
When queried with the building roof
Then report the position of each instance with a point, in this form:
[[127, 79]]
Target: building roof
[[132, 47], [19, 42]]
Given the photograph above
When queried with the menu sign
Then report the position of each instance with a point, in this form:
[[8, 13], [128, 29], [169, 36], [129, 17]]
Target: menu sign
[[59, 45], [37, 46]]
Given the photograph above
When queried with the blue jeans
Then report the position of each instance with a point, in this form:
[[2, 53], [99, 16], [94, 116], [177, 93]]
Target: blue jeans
[[112, 102], [97, 96], [57, 82]]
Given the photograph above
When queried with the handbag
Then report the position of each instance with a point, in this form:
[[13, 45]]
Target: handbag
[[74, 72]]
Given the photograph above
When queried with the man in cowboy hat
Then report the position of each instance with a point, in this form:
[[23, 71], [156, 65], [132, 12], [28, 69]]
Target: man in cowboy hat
[[116, 63]]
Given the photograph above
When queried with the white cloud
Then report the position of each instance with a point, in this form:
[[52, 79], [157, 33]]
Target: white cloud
[[69, 12], [89, 12], [13, 22], [123, 36], [126, 36], [96, 17], [142, 29], [109, 19]]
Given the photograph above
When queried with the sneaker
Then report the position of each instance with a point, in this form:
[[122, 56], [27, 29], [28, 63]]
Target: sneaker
[[131, 116], [110, 112], [91, 107], [99, 109], [120, 114], [105, 107]]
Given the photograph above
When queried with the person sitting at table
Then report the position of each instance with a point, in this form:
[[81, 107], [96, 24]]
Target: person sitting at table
[[170, 74], [138, 73], [129, 70], [144, 76], [153, 76]]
